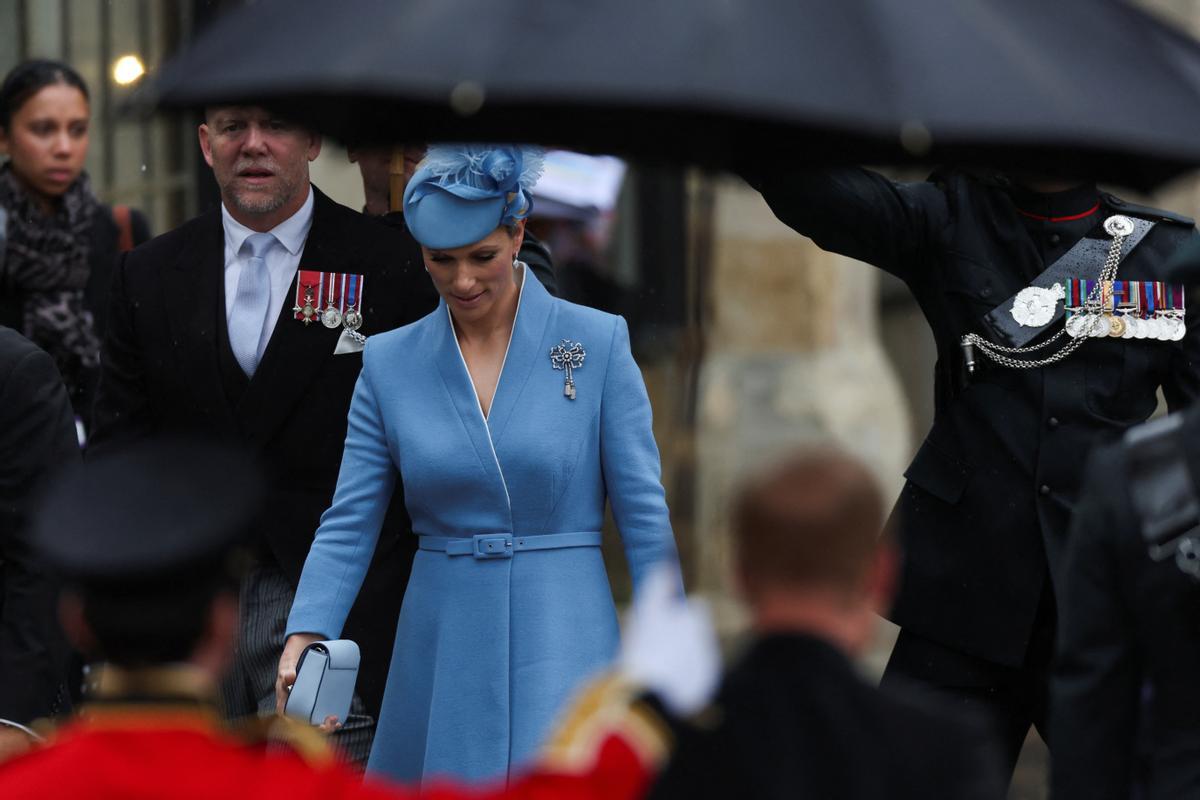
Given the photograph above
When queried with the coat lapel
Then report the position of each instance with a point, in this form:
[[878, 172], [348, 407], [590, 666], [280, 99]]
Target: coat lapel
[[458, 384], [524, 353], [194, 296], [294, 354]]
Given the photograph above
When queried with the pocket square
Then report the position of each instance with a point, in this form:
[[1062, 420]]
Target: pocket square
[[347, 343]]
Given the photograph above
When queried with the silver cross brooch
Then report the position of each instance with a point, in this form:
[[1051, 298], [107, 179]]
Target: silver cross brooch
[[568, 356]]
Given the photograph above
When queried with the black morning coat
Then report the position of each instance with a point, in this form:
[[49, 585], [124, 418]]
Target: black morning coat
[[1125, 707], [794, 720], [37, 438], [168, 369], [985, 508]]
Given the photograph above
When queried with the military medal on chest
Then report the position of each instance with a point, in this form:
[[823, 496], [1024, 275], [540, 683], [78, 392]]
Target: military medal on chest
[[308, 311], [352, 319], [334, 298], [331, 317], [1094, 307], [568, 356], [1125, 310]]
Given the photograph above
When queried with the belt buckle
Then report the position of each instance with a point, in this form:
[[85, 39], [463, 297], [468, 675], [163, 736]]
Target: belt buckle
[[492, 545]]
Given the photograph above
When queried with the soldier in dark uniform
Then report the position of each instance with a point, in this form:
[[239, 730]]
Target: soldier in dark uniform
[[983, 515]]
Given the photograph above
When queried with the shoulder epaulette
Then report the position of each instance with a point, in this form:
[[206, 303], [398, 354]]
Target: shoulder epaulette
[[1147, 212]]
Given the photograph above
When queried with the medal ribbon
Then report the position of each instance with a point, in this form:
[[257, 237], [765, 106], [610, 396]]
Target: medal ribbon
[[334, 294], [306, 278]]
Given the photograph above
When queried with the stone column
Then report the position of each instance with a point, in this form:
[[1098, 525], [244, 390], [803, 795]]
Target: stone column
[[792, 357]]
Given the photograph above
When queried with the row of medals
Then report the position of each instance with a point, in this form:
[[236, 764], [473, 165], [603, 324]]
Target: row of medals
[[331, 317], [1166, 327]]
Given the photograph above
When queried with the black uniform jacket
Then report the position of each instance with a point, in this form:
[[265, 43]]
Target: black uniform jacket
[[794, 720], [37, 438], [168, 369], [990, 491], [1129, 649]]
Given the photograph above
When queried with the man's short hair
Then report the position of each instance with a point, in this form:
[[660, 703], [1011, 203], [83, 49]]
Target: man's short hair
[[813, 519]]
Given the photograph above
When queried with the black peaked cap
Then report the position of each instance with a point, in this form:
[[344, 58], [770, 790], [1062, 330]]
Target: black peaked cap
[[151, 511]]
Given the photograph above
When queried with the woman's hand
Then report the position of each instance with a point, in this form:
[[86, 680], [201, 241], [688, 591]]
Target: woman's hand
[[286, 675]]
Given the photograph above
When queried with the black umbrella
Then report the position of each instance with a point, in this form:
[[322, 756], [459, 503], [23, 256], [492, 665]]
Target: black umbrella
[[1093, 86]]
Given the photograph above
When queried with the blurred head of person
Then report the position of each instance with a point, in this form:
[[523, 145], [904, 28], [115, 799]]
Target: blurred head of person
[[44, 115], [260, 162], [146, 544], [810, 556], [375, 166], [467, 206]]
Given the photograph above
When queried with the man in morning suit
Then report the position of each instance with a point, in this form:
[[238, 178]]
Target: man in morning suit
[[37, 437], [990, 258], [227, 328], [793, 718]]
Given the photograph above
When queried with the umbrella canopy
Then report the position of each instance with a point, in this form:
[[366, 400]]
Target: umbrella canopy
[[1095, 86]]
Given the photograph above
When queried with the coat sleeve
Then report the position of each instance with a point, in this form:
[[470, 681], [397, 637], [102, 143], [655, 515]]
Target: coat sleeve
[[860, 214], [345, 541], [1096, 684], [1182, 385], [37, 437], [121, 413], [630, 463]]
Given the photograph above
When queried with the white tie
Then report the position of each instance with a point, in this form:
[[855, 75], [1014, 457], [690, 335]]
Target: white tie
[[251, 303]]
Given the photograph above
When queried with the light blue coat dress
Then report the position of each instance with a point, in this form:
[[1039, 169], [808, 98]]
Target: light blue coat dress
[[488, 649]]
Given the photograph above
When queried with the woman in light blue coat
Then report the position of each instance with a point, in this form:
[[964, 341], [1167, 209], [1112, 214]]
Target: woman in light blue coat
[[512, 416]]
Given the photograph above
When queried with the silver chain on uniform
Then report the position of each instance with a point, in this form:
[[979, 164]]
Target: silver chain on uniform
[[1003, 355]]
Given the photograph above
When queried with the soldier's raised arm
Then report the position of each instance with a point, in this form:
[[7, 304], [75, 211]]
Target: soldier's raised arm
[[858, 213]]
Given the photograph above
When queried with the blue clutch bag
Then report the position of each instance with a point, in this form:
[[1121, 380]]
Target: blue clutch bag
[[325, 677]]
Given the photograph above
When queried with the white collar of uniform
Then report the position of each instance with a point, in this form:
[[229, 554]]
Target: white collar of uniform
[[291, 233]]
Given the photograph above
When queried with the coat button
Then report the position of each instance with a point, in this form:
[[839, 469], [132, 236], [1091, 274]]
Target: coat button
[[1045, 490], [985, 291], [1055, 239], [1052, 422]]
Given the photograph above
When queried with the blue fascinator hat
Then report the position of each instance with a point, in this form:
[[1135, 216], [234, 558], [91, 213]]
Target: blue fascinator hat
[[460, 193]]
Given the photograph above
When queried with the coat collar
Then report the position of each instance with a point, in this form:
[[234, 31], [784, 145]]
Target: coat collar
[[534, 310], [524, 353]]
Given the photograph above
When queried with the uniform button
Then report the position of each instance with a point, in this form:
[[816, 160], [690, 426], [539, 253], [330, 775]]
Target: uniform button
[[1052, 422], [1045, 490], [985, 291], [1055, 238]]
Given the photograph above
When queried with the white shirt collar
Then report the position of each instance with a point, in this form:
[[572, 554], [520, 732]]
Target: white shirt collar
[[291, 233]]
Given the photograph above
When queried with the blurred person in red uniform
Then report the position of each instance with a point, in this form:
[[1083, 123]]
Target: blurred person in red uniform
[[794, 718], [147, 541]]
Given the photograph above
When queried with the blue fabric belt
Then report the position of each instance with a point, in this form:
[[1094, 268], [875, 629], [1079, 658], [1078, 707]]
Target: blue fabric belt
[[503, 545]]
